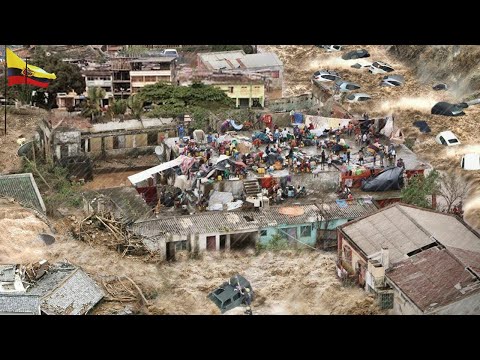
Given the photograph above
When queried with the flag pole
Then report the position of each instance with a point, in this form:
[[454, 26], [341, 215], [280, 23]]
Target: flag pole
[[26, 78], [5, 73]]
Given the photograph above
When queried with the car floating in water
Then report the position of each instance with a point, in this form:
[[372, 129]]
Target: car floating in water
[[325, 75], [358, 97], [233, 293], [447, 109], [330, 48], [447, 138], [344, 86], [355, 54], [439, 87], [380, 68], [392, 80], [470, 162]]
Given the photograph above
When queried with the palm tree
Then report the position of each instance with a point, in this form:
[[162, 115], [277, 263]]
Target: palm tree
[[117, 108], [92, 107], [135, 104]]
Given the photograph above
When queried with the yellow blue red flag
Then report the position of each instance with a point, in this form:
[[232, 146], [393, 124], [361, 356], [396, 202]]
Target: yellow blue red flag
[[17, 71]]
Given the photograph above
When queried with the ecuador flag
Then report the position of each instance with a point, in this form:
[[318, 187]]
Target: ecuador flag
[[16, 72]]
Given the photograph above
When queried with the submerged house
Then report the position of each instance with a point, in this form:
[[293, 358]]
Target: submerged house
[[215, 231], [417, 261]]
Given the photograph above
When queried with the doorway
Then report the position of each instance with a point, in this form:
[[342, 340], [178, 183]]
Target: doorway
[[170, 254], [211, 243], [223, 242]]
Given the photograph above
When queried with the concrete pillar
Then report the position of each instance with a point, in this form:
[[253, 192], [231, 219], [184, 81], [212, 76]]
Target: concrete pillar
[[227, 242], [86, 145], [217, 242]]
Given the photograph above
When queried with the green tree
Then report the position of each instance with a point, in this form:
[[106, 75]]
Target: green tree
[[419, 189], [92, 106], [117, 108], [135, 104], [69, 77]]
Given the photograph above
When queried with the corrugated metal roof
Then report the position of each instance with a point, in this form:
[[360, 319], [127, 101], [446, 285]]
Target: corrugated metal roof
[[23, 188], [354, 210], [391, 228], [20, 304], [433, 278], [259, 60], [227, 222], [76, 296], [238, 59], [449, 231], [7, 273]]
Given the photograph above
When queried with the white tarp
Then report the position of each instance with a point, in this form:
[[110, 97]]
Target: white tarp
[[322, 123], [388, 128], [219, 197], [147, 174]]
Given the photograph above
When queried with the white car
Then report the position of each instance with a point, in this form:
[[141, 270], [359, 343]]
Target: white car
[[470, 162], [447, 138], [170, 52], [330, 48], [392, 80], [325, 75], [380, 68], [344, 86], [358, 97]]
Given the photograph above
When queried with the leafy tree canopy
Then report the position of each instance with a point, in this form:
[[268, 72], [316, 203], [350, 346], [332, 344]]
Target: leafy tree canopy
[[419, 189]]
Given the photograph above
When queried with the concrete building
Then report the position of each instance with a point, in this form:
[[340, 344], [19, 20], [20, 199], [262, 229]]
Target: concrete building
[[149, 71], [70, 137], [417, 261], [69, 101], [245, 94], [121, 77], [267, 64], [215, 231], [101, 79]]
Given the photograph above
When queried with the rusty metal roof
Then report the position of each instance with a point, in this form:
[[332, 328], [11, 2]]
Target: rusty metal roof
[[433, 278]]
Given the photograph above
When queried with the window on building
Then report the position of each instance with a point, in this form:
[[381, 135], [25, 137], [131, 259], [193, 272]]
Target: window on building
[[86, 145], [181, 245], [306, 231], [347, 254], [152, 138], [263, 232], [385, 300], [275, 74], [244, 87], [230, 89], [119, 142], [150, 78], [163, 78]]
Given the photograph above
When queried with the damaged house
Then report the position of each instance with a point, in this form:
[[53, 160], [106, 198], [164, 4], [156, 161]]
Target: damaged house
[[40, 288], [78, 137], [228, 230], [416, 261]]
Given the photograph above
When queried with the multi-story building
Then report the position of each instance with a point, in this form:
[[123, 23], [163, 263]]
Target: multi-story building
[[102, 79], [149, 71], [121, 77]]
